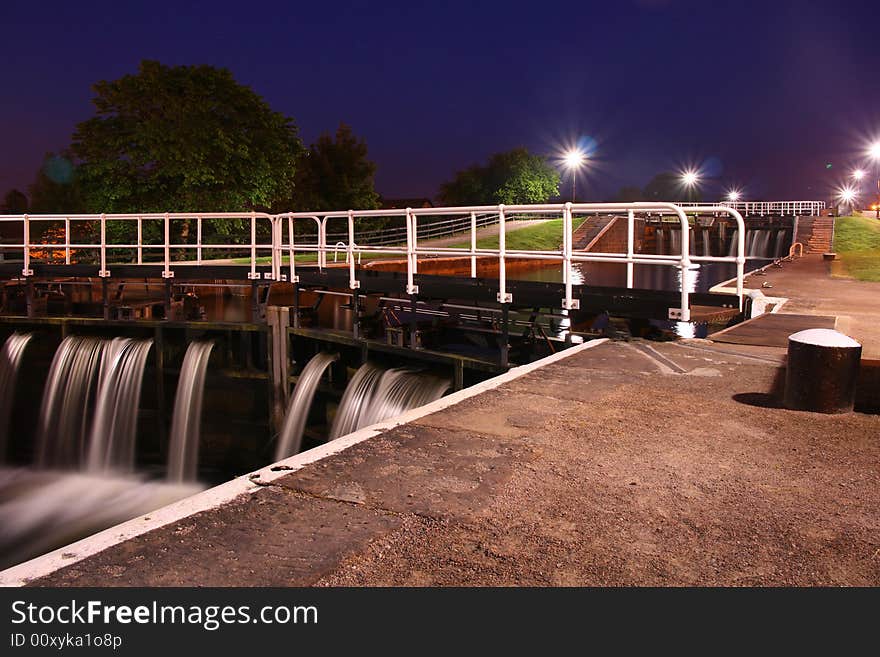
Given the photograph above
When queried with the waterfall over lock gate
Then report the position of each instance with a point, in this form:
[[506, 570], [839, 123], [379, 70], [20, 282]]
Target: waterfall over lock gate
[[290, 440], [374, 394], [183, 450], [10, 361]]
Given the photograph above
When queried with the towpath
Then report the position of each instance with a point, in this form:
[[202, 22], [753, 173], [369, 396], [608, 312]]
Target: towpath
[[619, 464]]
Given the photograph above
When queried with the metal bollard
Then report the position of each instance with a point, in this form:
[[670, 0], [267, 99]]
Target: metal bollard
[[823, 367]]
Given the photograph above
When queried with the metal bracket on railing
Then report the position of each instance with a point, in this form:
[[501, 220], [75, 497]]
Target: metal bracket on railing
[[571, 304], [675, 314], [104, 273], [253, 275]]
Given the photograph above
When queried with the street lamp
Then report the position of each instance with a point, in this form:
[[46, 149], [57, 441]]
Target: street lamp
[[874, 154], [690, 179], [858, 174], [734, 195], [574, 160], [847, 196]]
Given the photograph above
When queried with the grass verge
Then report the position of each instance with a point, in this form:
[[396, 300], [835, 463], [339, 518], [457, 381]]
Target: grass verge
[[857, 244]]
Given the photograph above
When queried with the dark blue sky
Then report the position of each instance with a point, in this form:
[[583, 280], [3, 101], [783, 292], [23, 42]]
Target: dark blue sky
[[765, 92]]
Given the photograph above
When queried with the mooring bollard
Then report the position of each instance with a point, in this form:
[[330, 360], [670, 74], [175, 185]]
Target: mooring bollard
[[823, 366]]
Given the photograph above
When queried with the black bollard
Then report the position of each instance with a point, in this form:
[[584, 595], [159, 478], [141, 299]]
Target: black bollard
[[823, 367]]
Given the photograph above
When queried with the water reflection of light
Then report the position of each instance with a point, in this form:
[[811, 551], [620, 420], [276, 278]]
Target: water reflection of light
[[577, 275], [687, 279]]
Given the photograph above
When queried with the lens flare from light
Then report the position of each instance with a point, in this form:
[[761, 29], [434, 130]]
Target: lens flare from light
[[858, 174], [846, 195], [690, 178], [574, 159], [734, 195]]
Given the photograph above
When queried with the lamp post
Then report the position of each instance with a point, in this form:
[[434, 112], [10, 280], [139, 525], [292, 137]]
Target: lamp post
[[574, 160], [874, 153]]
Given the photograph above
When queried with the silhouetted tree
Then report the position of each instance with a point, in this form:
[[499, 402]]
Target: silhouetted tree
[[668, 187], [335, 174], [55, 189], [14, 202], [628, 195], [512, 177], [183, 138]]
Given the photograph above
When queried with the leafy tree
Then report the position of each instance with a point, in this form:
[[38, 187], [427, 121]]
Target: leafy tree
[[15, 202], [512, 177], [183, 138], [335, 174]]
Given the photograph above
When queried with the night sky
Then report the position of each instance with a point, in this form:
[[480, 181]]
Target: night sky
[[763, 94]]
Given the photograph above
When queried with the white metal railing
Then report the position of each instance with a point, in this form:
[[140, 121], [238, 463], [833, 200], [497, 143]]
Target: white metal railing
[[283, 242], [764, 208], [133, 239]]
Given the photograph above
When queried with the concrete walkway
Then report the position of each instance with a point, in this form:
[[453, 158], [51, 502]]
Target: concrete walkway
[[808, 285], [623, 464]]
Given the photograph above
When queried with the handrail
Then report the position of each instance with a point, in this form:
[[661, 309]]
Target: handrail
[[280, 246]]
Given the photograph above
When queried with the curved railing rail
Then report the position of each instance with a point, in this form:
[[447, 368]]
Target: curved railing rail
[[274, 239], [763, 208]]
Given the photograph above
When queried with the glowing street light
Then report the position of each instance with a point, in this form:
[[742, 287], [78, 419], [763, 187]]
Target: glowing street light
[[574, 160], [847, 196], [858, 174], [874, 154], [734, 195], [690, 178]]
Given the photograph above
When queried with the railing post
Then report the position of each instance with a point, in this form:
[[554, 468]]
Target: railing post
[[322, 244], [26, 236], [198, 240], [353, 283], [473, 244], [503, 295], [66, 240], [567, 243], [140, 240], [415, 240], [630, 248], [253, 275], [292, 253], [103, 273], [167, 273], [411, 287]]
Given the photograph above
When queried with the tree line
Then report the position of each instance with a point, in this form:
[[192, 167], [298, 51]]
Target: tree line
[[191, 138]]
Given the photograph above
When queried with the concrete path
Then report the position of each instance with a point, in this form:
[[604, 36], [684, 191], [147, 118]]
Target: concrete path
[[808, 285], [484, 231], [623, 464]]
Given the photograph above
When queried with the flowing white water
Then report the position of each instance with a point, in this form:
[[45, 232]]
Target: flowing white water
[[356, 396], [114, 429], [10, 361], [63, 425], [374, 394], [41, 510], [183, 450], [290, 440]]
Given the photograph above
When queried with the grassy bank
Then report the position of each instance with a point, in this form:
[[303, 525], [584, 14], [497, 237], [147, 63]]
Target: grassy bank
[[546, 236], [857, 244]]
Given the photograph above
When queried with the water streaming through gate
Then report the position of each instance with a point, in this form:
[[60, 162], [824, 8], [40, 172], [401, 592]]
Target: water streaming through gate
[[183, 450], [290, 440], [10, 361]]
